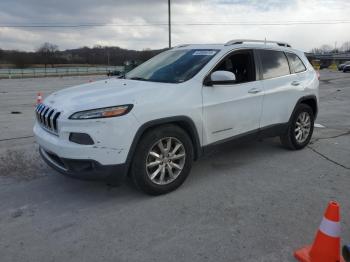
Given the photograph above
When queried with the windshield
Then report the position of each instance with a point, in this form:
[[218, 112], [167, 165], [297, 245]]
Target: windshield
[[173, 66]]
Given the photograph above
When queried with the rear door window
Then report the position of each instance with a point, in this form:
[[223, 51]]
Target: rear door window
[[295, 62], [274, 64]]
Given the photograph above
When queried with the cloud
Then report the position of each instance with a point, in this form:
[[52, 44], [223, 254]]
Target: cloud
[[259, 5], [184, 15]]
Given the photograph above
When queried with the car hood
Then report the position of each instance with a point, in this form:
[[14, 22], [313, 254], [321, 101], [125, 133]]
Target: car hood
[[103, 93]]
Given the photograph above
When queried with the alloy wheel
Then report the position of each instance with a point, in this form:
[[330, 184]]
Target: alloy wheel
[[302, 127], [165, 160]]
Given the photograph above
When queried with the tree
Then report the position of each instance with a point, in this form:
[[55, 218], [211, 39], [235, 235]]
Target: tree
[[47, 52], [326, 48], [20, 59], [322, 49], [315, 51], [345, 47]]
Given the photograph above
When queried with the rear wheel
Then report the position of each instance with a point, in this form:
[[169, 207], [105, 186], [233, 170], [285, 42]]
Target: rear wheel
[[300, 129], [163, 160]]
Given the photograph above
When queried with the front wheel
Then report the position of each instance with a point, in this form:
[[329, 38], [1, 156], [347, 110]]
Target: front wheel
[[300, 129], [163, 160]]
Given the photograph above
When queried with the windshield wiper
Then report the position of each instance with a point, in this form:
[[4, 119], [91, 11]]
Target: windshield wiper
[[138, 78]]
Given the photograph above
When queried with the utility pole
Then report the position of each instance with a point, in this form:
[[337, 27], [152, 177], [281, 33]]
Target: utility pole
[[108, 57], [169, 23]]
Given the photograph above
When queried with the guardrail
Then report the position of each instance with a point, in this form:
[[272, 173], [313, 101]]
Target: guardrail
[[57, 71]]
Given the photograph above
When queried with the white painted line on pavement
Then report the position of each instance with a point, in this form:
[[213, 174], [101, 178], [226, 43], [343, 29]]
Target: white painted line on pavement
[[319, 125]]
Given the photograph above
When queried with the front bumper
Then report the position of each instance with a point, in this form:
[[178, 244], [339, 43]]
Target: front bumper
[[111, 138], [105, 157], [83, 168]]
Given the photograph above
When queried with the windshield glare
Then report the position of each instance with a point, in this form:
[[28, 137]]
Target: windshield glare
[[173, 66]]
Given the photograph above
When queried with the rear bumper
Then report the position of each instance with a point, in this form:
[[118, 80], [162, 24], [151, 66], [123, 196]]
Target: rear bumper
[[83, 169]]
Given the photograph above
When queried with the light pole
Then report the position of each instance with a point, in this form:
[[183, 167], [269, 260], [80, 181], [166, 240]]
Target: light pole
[[169, 23], [108, 57]]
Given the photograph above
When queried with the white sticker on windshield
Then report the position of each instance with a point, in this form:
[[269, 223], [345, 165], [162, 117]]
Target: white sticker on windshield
[[204, 52]]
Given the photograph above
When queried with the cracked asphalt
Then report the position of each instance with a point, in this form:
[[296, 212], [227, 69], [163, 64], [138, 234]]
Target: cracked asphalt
[[253, 201]]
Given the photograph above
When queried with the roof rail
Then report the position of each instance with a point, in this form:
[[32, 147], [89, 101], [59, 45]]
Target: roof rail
[[179, 46], [241, 41]]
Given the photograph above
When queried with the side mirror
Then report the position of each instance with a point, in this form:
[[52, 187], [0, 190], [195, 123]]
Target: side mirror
[[222, 78]]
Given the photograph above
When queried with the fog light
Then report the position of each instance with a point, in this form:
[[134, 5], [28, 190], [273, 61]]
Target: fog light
[[81, 138]]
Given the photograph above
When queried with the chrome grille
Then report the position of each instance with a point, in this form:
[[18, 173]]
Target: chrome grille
[[47, 117]]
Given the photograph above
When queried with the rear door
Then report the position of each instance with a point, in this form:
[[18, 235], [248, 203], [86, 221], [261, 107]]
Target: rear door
[[298, 67], [233, 109], [281, 86]]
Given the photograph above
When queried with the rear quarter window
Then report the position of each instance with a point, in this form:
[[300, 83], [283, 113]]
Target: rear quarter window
[[296, 63], [274, 64]]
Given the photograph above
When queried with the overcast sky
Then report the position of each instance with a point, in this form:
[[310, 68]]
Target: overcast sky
[[115, 13]]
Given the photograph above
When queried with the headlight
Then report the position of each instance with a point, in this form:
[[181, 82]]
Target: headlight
[[102, 112]]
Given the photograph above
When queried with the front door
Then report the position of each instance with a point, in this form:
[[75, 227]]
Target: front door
[[233, 109]]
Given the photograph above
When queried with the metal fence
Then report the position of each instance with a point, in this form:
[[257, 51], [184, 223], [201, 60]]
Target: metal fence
[[58, 71]]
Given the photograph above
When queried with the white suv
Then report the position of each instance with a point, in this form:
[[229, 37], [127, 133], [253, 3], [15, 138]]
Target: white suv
[[152, 123]]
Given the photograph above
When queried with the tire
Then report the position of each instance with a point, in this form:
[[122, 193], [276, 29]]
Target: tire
[[291, 139], [150, 169]]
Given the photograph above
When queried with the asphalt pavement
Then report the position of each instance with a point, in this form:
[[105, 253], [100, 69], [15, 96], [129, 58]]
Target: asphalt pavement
[[253, 201]]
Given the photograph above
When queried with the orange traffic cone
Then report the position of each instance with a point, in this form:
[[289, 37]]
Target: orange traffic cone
[[39, 98], [326, 246]]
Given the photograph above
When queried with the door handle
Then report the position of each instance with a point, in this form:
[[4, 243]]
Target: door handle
[[295, 83], [254, 91]]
